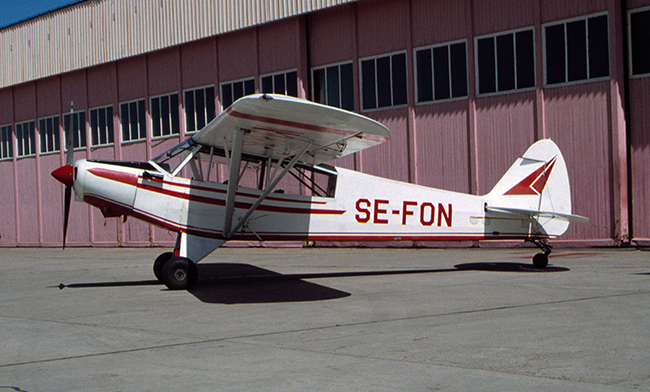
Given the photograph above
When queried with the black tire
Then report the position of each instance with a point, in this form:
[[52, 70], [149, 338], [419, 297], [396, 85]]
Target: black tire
[[160, 263], [179, 273], [540, 260]]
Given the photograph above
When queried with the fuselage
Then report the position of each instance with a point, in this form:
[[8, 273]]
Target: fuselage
[[362, 208]]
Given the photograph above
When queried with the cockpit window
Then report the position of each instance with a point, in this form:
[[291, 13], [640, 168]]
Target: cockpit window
[[172, 159]]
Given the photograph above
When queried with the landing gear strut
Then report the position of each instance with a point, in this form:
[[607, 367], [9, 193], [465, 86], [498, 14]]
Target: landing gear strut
[[177, 273], [540, 260]]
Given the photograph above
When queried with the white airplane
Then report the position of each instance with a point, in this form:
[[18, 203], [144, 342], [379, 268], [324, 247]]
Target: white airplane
[[264, 137]]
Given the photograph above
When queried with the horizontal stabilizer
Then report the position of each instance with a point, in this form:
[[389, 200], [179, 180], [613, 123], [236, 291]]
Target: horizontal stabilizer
[[542, 214]]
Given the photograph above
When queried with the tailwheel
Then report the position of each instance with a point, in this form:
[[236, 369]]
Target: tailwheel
[[160, 263], [540, 260], [179, 273]]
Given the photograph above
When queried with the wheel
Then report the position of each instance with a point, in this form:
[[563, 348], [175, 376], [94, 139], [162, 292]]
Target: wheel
[[540, 260], [160, 263], [179, 273]]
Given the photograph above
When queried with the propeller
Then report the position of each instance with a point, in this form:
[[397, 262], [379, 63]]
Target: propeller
[[65, 175]]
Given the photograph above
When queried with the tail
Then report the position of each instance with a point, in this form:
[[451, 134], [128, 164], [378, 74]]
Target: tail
[[537, 187]]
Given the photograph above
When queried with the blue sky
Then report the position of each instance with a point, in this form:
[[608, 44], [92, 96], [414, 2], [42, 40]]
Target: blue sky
[[12, 11]]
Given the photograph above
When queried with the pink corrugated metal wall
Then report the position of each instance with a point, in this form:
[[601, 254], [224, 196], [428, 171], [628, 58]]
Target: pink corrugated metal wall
[[463, 145]]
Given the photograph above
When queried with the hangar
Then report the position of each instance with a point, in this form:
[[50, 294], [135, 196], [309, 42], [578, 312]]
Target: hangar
[[464, 85]]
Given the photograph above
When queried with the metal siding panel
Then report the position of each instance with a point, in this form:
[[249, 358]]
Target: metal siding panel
[[273, 37], [442, 146], [8, 197], [577, 120], [439, 21], [389, 159], [640, 156], [505, 128], [373, 18], [553, 10], [500, 15], [332, 36], [126, 28], [198, 65]]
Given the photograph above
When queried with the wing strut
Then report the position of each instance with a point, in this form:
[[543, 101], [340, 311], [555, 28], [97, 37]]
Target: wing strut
[[269, 189], [233, 178]]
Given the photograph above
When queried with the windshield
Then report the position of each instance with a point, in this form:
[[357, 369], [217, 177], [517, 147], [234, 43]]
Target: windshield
[[171, 159]]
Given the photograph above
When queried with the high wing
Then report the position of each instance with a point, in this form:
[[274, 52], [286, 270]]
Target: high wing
[[278, 126]]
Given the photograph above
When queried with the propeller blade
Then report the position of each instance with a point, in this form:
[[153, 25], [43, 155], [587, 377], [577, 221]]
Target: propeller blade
[[66, 211]]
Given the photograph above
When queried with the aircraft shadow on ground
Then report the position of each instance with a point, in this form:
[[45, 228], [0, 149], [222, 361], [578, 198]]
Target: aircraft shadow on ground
[[245, 283], [224, 283], [507, 267]]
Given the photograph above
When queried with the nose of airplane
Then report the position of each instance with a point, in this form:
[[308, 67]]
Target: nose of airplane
[[64, 174]]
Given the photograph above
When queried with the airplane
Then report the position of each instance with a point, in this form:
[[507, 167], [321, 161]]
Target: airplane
[[264, 140]]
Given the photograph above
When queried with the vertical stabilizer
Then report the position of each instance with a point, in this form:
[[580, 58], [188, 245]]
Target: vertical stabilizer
[[537, 184]]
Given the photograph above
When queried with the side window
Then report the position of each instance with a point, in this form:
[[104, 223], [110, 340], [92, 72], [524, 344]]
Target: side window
[[506, 62], [132, 116], [199, 108], [441, 72], [639, 25], [6, 151], [48, 129], [25, 139], [101, 126], [280, 83], [75, 123], [164, 116], [383, 81], [332, 85], [232, 91], [576, 50]]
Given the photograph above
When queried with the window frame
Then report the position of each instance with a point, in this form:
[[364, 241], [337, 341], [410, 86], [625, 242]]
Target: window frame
[[392, 98], [325, 67], [231, 83], [416, 74], [56, 135], [495, 36], [630, 54], [81, 131], [206, 111], [172, 110], [109, 122], [278, 73], [564, 22], [7, 153], [143, 116], [32, 146]]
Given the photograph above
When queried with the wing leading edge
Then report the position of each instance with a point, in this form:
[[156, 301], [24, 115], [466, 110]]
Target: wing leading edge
[[278, 126]]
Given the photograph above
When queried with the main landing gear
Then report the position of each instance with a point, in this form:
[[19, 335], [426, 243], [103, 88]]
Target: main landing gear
[[540, 260], [177, 273]]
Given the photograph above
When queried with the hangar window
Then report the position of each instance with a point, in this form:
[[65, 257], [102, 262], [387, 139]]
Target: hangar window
[[75, 123], [639, 25], [199, 108], [506, 62], [132, 116], [383, 81], [101, 126], [25, 139], [576, 50], [6, 151], [48, 129], [164, 116], [232, 91], [280, 83], [332, 85], [441, 72]]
